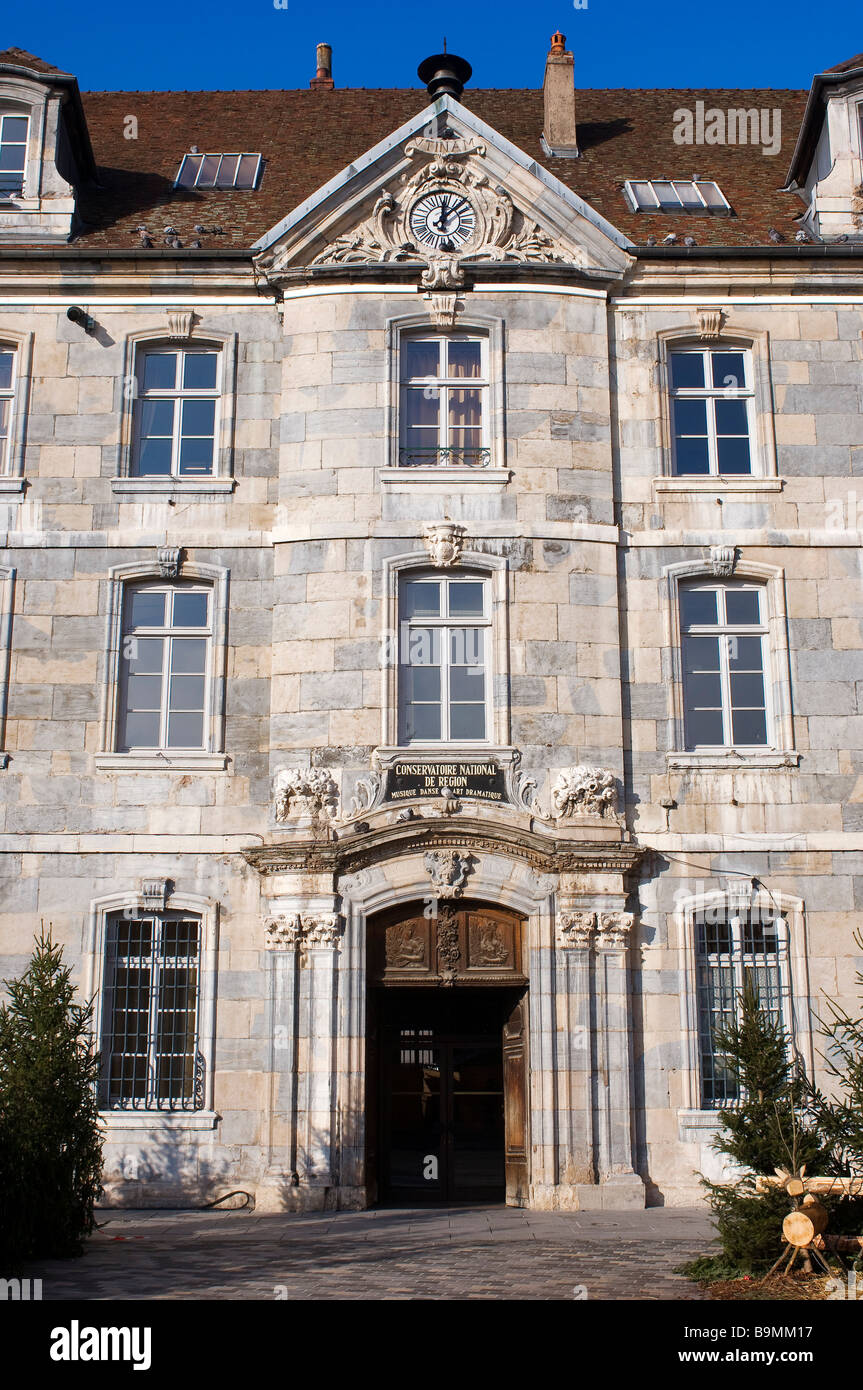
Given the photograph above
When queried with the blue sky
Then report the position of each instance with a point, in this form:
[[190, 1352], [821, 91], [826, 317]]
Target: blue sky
[[617, 43]]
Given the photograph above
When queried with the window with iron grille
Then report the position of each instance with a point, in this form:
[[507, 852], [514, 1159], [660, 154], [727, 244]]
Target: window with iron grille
[[723, 631], [176, 413], [444, 401], [150, 1017], [165, 667], [13, 154], [731, 949], [444, 675], [7, 402], [712, 396]]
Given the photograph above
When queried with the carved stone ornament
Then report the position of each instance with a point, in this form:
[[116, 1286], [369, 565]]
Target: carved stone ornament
[[169, 559], [442, 308], [448, 871], [305, 791], [723, 558], [452, 166], [180, 324], [322, 929], [584, 791], [444, 542], [295, 930], [614, 930], [575, 928], [154, 893], [709, 322]]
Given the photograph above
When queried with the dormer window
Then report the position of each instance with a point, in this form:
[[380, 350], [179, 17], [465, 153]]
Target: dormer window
[[13, 154], [676, 195], [219, 171]]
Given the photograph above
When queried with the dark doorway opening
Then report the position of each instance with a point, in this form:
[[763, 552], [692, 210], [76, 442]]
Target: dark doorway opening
[[442, 1092]]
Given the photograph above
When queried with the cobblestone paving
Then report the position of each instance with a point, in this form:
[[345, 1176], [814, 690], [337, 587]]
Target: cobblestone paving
[[440, 1253]]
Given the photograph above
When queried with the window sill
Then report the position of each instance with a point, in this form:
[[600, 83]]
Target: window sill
[[733, 760], [696, 1126], [440, 473], [728, 483], [153, 762], [147, 487], [11, 485], [158, 1119]]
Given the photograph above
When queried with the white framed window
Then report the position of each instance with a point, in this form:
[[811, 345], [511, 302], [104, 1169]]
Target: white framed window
[[444, 400], [8, 389], [151, 1058], [218, 171], [676, 195], [445, 643], [14, 134], [176, 425], [711, 397], [712, 666], [723, 632], [167, 658], [166, 638]]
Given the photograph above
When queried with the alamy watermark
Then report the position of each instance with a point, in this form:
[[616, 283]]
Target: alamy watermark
[[730, 126]]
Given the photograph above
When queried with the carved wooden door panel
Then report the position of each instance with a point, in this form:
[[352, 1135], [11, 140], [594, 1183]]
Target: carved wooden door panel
[[464, 944]]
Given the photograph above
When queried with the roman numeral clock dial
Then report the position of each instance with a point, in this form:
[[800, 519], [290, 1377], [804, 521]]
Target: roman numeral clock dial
[[442, 221]]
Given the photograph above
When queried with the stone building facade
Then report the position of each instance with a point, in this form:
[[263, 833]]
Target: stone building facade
[[431, 631]]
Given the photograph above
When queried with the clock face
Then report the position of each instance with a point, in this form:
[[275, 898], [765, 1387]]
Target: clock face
[[442, 221]]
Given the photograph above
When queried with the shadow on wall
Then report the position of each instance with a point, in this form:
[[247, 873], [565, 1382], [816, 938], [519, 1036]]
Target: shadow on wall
[[177, 1169], [170, 1169]]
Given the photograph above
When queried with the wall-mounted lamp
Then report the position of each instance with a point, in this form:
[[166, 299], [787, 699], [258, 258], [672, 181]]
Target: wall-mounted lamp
[[81, 317]]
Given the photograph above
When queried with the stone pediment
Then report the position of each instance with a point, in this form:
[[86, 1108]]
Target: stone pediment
[[499, 207]]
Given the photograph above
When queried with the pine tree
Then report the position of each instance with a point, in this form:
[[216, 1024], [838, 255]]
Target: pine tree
[[50, 1138], [841, 1118], [771, 1126]]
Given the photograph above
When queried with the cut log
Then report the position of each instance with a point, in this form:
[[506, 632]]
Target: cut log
[[839, 1245], [801, 1227]]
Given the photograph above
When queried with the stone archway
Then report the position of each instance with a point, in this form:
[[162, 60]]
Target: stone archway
[[447, 1072]]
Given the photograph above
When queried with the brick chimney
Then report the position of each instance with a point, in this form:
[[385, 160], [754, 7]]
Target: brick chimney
[[558, 94], [323, 78]]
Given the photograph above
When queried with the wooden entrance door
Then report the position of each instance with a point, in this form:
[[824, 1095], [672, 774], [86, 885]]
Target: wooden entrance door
[[448, 1041]]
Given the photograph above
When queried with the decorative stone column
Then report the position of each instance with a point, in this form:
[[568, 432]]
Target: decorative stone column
[[614, 1091], [317, 1129], [573, 1072], [303, 1137], [282, 937]]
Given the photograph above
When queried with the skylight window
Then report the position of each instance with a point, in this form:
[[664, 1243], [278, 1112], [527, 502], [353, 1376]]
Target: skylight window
[[676, 195], [219, 171]]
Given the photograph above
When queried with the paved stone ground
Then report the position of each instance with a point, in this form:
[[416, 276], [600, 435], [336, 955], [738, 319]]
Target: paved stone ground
[[437, 1253]]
